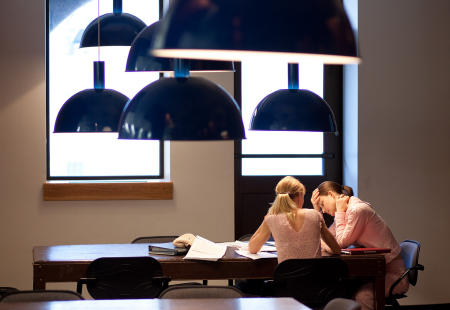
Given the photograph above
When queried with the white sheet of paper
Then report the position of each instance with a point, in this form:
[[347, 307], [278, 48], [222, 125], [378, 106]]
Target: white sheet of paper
[[257, 255], [244, 246], [203, 249]]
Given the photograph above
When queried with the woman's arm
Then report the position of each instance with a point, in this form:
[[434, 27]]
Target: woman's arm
[[329, 239], [259, 238], [351, 223]]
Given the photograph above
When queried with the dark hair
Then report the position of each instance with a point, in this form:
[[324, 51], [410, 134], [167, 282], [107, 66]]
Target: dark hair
[[327, 186]]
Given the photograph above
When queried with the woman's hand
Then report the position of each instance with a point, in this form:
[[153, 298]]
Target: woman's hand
[[315, 200], [342, 203]]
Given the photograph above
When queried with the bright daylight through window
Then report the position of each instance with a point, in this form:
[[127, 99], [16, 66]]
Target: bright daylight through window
[[258, 81], [70, 70]]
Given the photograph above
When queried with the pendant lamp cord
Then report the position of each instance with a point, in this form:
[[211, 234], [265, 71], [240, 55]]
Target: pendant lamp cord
[[98, 29], [99, 66]]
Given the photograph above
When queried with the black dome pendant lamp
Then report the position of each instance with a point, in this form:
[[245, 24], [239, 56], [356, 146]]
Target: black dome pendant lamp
[[182, 108], [140, 58], [92, 110], [293, 109], [117, 28], [291, 30]]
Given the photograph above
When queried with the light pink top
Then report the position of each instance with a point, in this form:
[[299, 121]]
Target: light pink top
[[304, 243], [361, 225]]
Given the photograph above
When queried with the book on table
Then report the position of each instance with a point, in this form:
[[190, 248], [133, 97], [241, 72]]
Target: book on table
[[166, 248], [359, 251]]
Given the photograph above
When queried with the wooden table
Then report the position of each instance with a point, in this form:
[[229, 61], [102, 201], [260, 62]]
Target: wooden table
[[68, 263], [162, 304]]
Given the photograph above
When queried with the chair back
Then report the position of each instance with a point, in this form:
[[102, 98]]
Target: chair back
[[342, 304], [50, 295], [200, 291], [410, 254], [313, 282], [125, 278], [154, 239], [5, 290]]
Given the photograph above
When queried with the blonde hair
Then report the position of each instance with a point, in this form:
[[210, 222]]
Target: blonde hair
[[287, 189]]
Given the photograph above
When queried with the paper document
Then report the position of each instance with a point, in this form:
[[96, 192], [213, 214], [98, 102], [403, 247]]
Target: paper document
[[203, 249], [241, 245], [257, 255]]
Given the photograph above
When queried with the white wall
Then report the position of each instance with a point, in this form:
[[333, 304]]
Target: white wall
[[350, 110], [202, 172], [404, 128]]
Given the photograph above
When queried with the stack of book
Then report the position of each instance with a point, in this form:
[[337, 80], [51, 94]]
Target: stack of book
[[166, 248]]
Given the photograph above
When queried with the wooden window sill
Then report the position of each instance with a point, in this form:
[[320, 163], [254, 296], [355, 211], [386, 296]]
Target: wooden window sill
[[54, 191]]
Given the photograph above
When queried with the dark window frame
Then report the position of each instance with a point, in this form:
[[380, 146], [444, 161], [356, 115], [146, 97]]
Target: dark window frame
[[47, 102], [254, 186]]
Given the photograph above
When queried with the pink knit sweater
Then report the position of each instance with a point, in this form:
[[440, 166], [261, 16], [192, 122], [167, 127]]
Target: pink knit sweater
[[304, 243], [361, 225]]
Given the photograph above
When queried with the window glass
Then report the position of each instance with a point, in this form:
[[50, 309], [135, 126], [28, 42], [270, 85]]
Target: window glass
[[70, 70], [258, 81], [282, 166]]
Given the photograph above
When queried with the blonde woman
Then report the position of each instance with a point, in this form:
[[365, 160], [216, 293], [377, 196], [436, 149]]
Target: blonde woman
[[297, 232]]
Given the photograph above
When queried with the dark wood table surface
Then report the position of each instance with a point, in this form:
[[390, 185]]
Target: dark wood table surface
[[68, 263], [162, 304]]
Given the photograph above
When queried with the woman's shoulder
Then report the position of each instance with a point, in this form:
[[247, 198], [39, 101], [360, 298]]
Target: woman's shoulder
[[356, 205], [272, 217], [309, 212]]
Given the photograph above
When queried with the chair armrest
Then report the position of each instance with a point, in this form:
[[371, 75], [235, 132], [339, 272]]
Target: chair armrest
[[391, 289], [418, 267], [162, 281], [82, 281]]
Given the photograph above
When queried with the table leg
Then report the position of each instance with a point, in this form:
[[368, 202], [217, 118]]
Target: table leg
[[38, 281], [379, 287]]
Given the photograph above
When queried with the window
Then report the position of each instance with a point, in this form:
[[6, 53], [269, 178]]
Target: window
[[265, 157], [279, 152], [70, 70]]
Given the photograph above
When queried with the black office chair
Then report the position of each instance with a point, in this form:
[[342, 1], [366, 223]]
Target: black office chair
[[313, 282], [5, 290], [49, 295], [200, 291], [410, 254], [154, 239], [248, 283], [124, 278]]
